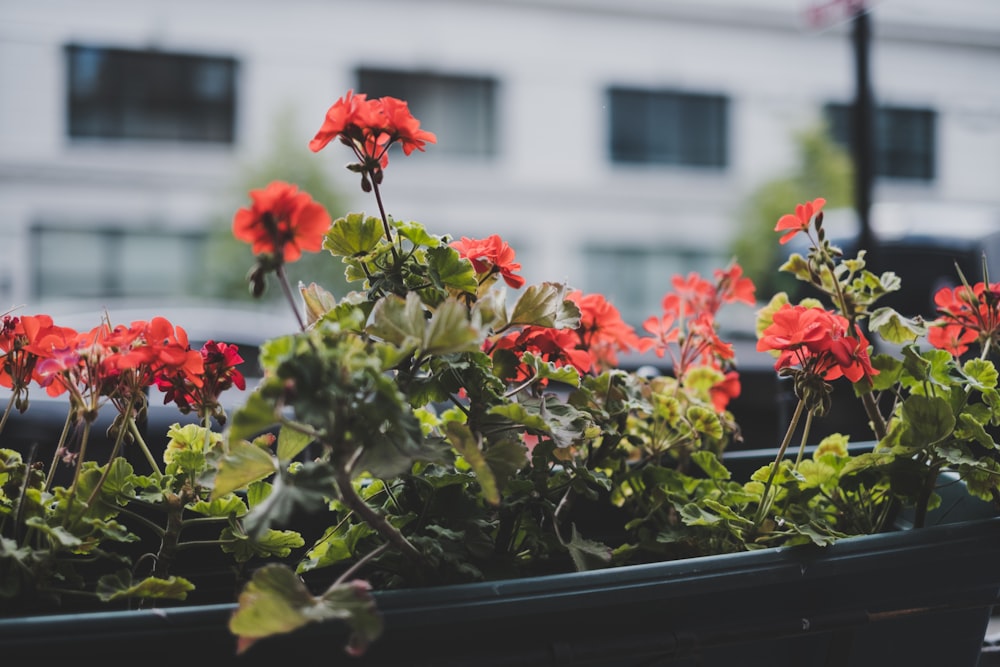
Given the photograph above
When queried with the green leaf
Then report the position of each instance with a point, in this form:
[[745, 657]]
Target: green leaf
[[562, 422], [567, 374], [225, 506], [705, 422], [353, 235], [318, 302], [928, 420], [695, 514], [291, 442], [889, 369], [245, 463], [895, 328], [969, 428], [545, 305], [336, 546], [726, 512], [399, 321], [710, 464], [277, 602], [312, 485], [451, 270], [450, 330], [587, 554], [462, 439], [505, 458], [120, 586], [417, 234], [257, 414], [981, 374], [272, 544]]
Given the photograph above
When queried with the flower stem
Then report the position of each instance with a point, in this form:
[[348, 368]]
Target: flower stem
[[373, 518], [59, 445], [765, 498], [874, 416], [805, 436], [385, 219], [289, 295], [6, 412], [141, 442]]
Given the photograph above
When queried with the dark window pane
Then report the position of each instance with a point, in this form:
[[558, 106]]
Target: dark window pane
[[122, 94], [904, 139], [663, 127], [460, 110]]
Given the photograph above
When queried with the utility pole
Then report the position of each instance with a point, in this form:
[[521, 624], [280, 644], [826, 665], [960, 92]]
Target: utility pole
[[863, 135]]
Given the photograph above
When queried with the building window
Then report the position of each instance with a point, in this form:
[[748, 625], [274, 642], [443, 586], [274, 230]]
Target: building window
[[665, 127], [123, 94], [904, 139], [460, 110], [635, 279], [114, 262]]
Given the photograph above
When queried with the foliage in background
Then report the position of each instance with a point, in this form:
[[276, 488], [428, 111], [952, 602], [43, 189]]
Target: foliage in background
[[823, 166], [289, 161]]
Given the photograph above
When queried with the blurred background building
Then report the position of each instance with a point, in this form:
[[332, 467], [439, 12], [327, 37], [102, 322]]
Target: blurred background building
[[612, 143]]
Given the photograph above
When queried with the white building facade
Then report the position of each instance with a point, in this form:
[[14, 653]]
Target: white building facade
[[610, 142]]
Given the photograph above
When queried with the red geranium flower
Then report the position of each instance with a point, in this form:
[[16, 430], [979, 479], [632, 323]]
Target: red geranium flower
[[800, 221], [725, 390], [490, 256], [370, 128], [816, 341], [602, 330], [199, 390], [350, 110], [282, 221], [558, 346], [968, 314], [403, 127]]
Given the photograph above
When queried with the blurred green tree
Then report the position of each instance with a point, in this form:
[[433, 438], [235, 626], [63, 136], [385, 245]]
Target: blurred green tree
[[229, 260], [824, 170]]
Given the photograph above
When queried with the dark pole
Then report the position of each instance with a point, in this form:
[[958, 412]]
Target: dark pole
[[862, 141]]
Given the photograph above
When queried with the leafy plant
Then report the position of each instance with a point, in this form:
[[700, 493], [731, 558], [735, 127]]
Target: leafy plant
[[446, 423]]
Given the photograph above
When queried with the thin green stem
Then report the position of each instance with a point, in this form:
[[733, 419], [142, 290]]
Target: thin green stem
[[805, 437], [134, 429], [765, 499], [373, 518], [6, 412], [59, 445], [81, 457], [119, 438], [349, 572], [385, 219], [286, 288]]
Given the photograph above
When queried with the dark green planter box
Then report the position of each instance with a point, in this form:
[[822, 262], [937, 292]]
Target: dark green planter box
[[903, 598]]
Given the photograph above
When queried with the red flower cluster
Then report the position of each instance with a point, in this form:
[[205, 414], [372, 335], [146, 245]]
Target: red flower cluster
[[687, 329], [968, 314], [282, 221], [490, 256], [602, 330], [117, 363], [370, 127], [200, 392], [592, 346], [556, 346], [816, 341]]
